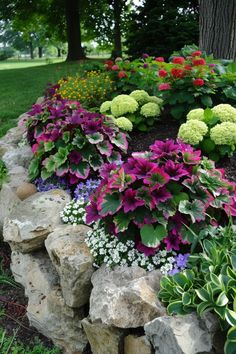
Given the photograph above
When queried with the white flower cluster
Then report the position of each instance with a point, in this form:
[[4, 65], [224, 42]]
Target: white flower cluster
[[74, 212], [110, 250]]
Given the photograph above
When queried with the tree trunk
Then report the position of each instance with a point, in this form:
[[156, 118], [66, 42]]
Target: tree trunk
[[58, 52], [75, 50], [117, 8], [40, 52], [31, 50], [217, 26]]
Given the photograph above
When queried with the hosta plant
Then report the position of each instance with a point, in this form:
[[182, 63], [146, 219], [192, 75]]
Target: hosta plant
[[210, 284], [138, 110], [70, 142], [212, 130], [158, 199]]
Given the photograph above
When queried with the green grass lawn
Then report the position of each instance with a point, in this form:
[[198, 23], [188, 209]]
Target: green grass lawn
[[21, 86]]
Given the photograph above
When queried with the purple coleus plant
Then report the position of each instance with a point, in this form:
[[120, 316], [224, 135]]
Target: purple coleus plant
[[70, 142], [163, 198]]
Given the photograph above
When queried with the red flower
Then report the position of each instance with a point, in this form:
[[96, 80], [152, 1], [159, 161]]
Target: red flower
[[122, 74], [197, 53], [178, 60], [163, 87], [115, 67], [188, 67], [160, 59], [198, 82], [199, 61], [177, 72], [109, 62], [162, 73]]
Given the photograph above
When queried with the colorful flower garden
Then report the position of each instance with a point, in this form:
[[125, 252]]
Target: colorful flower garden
[[169, 208]]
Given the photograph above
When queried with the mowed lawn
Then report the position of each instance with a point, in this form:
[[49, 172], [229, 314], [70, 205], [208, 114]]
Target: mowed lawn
[[20, 87]]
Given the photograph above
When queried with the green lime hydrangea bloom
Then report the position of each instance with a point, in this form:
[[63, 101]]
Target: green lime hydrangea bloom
[[150, 109], [225, 112], [105, 107], [192, 132], [224, 133], [196, 114], [124, 123], [140, 96], [156, 100], [123, 104]]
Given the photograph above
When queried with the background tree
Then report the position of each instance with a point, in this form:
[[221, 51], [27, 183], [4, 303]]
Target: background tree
[[217, 26], [160, 27]]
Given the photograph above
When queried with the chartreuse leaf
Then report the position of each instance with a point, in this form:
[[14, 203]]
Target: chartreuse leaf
[[122, 221], [50, 164], [81, 170], [45, 174], [61, 156], [48, 146], [110, 204], [66, 137], [151, 237]]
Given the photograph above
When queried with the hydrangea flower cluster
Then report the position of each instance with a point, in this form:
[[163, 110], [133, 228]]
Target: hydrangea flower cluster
[[213, 130], [137, 109], [156, 197], [114, 251], [71, 142], [74, 212]]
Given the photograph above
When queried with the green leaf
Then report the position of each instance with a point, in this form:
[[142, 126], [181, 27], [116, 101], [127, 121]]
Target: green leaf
[[229, 347], [48, 146], [34, 168], [195, 209], [186, 299], [206, 101], [79, 141], [222, 300], [231, 335], [178, 111], [81, 170], [203, 294], [230, 317], [176, 308], [181, 196], [45, 174], [202, 307], [95, 161], [66, 137], [122, 221], [95, 138], [61, 156], [50, 164], [110, 204], [151, 237]]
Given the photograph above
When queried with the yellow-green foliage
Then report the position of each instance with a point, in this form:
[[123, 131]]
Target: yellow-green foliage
[[196, 114], [124, 123], [225, 112], [224, 133], [192, 132]]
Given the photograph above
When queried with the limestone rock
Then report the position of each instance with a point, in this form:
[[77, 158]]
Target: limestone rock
[[73, 262], [40, 100], [8, 201], [179, 335], [125, 297], [12, 137], [20, 156], [47, 310], [103, 339], [29, 224], [137, 345], [17, 176], [25, 190]]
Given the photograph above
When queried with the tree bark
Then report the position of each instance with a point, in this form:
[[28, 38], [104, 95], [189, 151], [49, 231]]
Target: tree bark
[[217, 27], [117, 8], [58, 52], [31, 50], [40, 52], [72, 11]]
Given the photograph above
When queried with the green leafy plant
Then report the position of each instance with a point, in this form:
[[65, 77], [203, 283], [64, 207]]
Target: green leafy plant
[[211, 130], [209, 284], [3, 173]]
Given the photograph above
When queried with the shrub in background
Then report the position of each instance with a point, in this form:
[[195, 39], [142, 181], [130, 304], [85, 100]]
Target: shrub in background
[[212, 130], [156, 198], [138, 110], [70, 142]]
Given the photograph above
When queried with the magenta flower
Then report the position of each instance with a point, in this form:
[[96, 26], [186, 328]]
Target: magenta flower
[[91, 126], [162, 149], [164, 87], [36, 109], [173, 240], [130, 200], [148, 251], [106, 169], [121, 180], [161, 195], [156, 178], [139, 167], [175, 171]]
